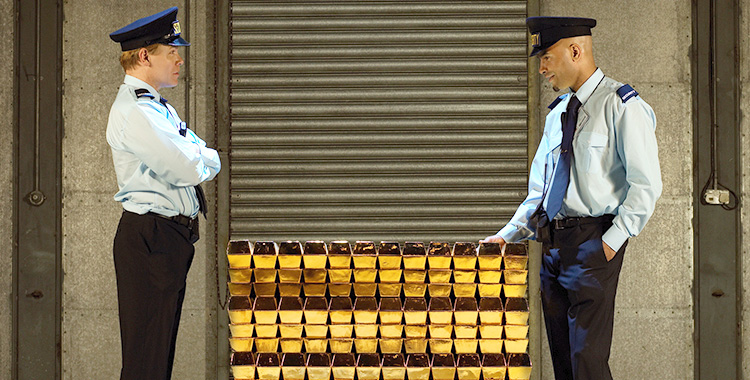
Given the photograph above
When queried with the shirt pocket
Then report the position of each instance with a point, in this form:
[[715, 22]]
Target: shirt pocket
[[593, 149]]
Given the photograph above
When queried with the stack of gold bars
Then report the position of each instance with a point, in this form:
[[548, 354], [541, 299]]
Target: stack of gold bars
[[372, 311]]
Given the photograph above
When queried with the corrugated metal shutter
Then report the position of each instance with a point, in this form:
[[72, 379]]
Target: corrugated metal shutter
[[377, 120]]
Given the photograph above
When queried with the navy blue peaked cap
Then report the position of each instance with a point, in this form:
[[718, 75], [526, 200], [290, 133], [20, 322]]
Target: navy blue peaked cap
[[546, 31], [159, 28]]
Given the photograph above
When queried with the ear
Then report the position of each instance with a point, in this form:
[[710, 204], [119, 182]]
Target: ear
[[576, 52], [143, 57]]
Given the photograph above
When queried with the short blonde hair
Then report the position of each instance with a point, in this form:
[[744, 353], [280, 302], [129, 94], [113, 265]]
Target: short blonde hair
[[129, 58]]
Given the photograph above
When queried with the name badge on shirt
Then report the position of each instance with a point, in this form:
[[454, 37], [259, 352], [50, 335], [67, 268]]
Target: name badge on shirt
[[183, 128]]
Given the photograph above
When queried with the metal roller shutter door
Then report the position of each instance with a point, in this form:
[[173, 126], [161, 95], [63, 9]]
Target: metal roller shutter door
[[376, 120]]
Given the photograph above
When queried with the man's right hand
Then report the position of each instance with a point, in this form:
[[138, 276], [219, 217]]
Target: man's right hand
[[494, 239]]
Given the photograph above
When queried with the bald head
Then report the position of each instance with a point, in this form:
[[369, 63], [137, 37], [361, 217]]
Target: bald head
[[568, 63]]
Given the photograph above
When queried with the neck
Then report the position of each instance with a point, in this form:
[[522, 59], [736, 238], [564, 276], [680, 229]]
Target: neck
[[583, 76], [140, 74]]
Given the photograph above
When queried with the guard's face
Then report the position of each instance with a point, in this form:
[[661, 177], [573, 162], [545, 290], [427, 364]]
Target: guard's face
[[556, 65], [165, 66]]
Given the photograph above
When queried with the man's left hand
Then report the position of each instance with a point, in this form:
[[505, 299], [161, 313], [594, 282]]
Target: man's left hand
[[608, 252]]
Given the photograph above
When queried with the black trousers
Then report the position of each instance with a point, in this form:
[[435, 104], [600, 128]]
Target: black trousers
[[578, 298], [152, 258]]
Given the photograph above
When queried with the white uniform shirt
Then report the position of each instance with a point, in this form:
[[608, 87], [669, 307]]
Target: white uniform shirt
[[156, 167], [614, 168]]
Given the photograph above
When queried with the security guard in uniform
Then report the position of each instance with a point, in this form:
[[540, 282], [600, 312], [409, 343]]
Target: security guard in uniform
[[593, 184], [160, 165]]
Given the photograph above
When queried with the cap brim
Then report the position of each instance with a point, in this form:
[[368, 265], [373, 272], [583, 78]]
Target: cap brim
[[179, 41]]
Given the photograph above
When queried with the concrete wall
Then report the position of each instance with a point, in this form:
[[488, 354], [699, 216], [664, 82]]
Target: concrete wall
[[744, 69], [92, 75], [6, 189], [647, 44]]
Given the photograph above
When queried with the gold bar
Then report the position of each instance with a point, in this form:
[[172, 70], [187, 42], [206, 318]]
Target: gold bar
[[316, 344], [389, 257], [465, 346], [440, 276], [514, 290], [243, 365], [293, 366], [439, 255], [441, 331], [368, 366], [366, 345], [265, 275], [365, 275], [315, 255], [491, 346], [239, 276], [340, 310], [264, 255], [316, 331], [340, 331], [392, 331], [516, 311], [464, 290], [391, 310], [339, 290], [365, 310], [319, 366], [242, 330], [519, 366], [393, 367], [490, 276], [390, 275], [267, 331], [512, 346], [441, 311], [443, 366], [239, 254], [268, 366], [491, 331], [364, 256], [290, 331], [516, 277], [466, 311], [366, 330], [491, 311], [265, 310], [240, 288], [465, 255], [439, 290], [316, 310], [290, 276], [414, 346], [290, 290], [415, 256], [418, 366], [494, 366], [315, 276], [413, 276], [339, 255], [241, 344], [516, 257], [290, 255], [314, 290], [441, 346], [389, 290], [266, 344], [469, 367], [291, 344], [343, 366], [341, 346], [390, 346], [464, 276], [466, 332], [415, 290], [240, 310], [490, 290], [265, 289], [290, 310], [415, 311], [365, 289], [490, 256], [340, 275], [516, 331]]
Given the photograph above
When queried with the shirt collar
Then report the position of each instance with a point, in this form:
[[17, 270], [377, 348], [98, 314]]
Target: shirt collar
[[589, 86], [137, 83]]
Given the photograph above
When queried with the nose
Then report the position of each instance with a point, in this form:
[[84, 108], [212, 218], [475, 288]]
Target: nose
[[180, 61], [542, 68]]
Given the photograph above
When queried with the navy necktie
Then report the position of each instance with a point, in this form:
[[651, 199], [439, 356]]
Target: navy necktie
[[562, 172], [198, 189]]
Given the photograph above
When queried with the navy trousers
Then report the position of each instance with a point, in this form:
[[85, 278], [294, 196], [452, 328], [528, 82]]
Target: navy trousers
[[578, 298], [152, 258]]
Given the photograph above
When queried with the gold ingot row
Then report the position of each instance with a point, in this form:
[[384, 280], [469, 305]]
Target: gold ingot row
[[373, 289], [415, 311], [364, 255], [344, 366], [398, 331]]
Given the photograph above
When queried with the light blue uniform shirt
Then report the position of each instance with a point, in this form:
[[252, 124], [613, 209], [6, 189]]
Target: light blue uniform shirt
[[614, 168], [156, 167]]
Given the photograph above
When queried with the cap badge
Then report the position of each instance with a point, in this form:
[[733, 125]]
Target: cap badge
[[176, 28], [535, 40]]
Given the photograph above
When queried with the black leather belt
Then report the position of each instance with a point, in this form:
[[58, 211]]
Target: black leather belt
[[561, 224], [179, 219]]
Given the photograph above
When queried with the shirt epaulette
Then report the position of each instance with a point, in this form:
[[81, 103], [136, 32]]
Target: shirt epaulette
[[142, 92], [626, 92], [558, 100]]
